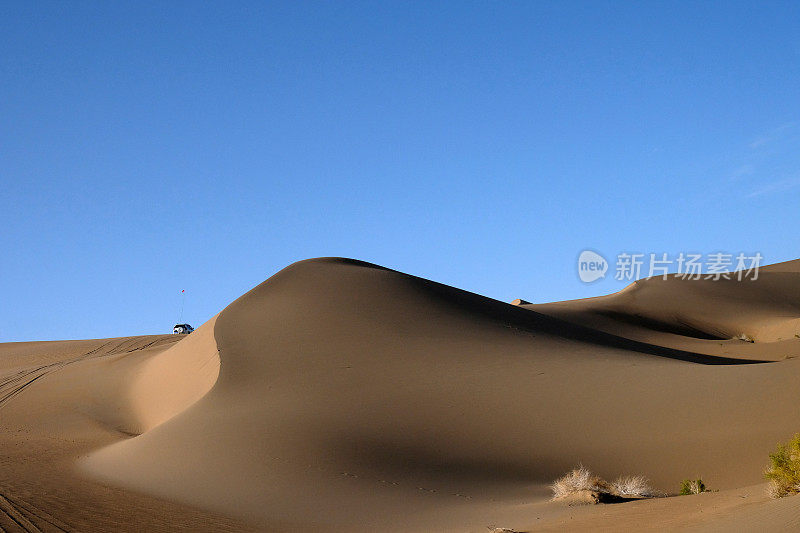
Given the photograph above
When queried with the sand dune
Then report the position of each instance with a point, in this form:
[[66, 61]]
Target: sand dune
[[687, 313], [342, 396]]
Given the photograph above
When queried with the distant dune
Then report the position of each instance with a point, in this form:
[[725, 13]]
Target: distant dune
[[343, 396]]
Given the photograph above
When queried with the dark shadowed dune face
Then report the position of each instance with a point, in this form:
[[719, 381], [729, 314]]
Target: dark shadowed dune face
[[677, 327]]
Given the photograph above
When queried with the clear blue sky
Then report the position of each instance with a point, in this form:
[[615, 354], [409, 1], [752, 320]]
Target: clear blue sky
[[147, 148]]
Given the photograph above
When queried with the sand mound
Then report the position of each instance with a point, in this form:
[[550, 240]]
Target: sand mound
[[715, 317], [343, 396], [354, 397]]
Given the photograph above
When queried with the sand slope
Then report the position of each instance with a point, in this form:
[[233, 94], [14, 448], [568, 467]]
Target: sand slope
[[60, 401]]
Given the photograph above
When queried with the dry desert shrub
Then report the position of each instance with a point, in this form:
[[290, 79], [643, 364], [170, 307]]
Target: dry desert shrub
[[784, 470], [578, 480], [632, 486], [583, 486]]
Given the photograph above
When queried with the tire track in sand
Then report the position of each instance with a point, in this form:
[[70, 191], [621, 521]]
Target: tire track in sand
[[19, 515], [16, 382]]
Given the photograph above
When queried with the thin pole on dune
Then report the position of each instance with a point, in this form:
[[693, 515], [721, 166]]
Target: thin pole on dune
[[183, 304]]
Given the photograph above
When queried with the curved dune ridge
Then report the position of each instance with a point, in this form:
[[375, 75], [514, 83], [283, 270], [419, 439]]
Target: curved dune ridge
[[343, 396], [169, 383], [352, 397], [126, 386], [685, 313]]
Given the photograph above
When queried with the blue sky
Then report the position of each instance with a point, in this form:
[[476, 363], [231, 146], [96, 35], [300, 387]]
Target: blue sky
[[147, 148]]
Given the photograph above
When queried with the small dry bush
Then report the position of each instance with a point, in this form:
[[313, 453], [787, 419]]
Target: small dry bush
[[632, 486], [581, 480], [784, 470], [577, 480]]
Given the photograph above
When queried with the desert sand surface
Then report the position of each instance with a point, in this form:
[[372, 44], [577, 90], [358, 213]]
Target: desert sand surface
[[340, 395]]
